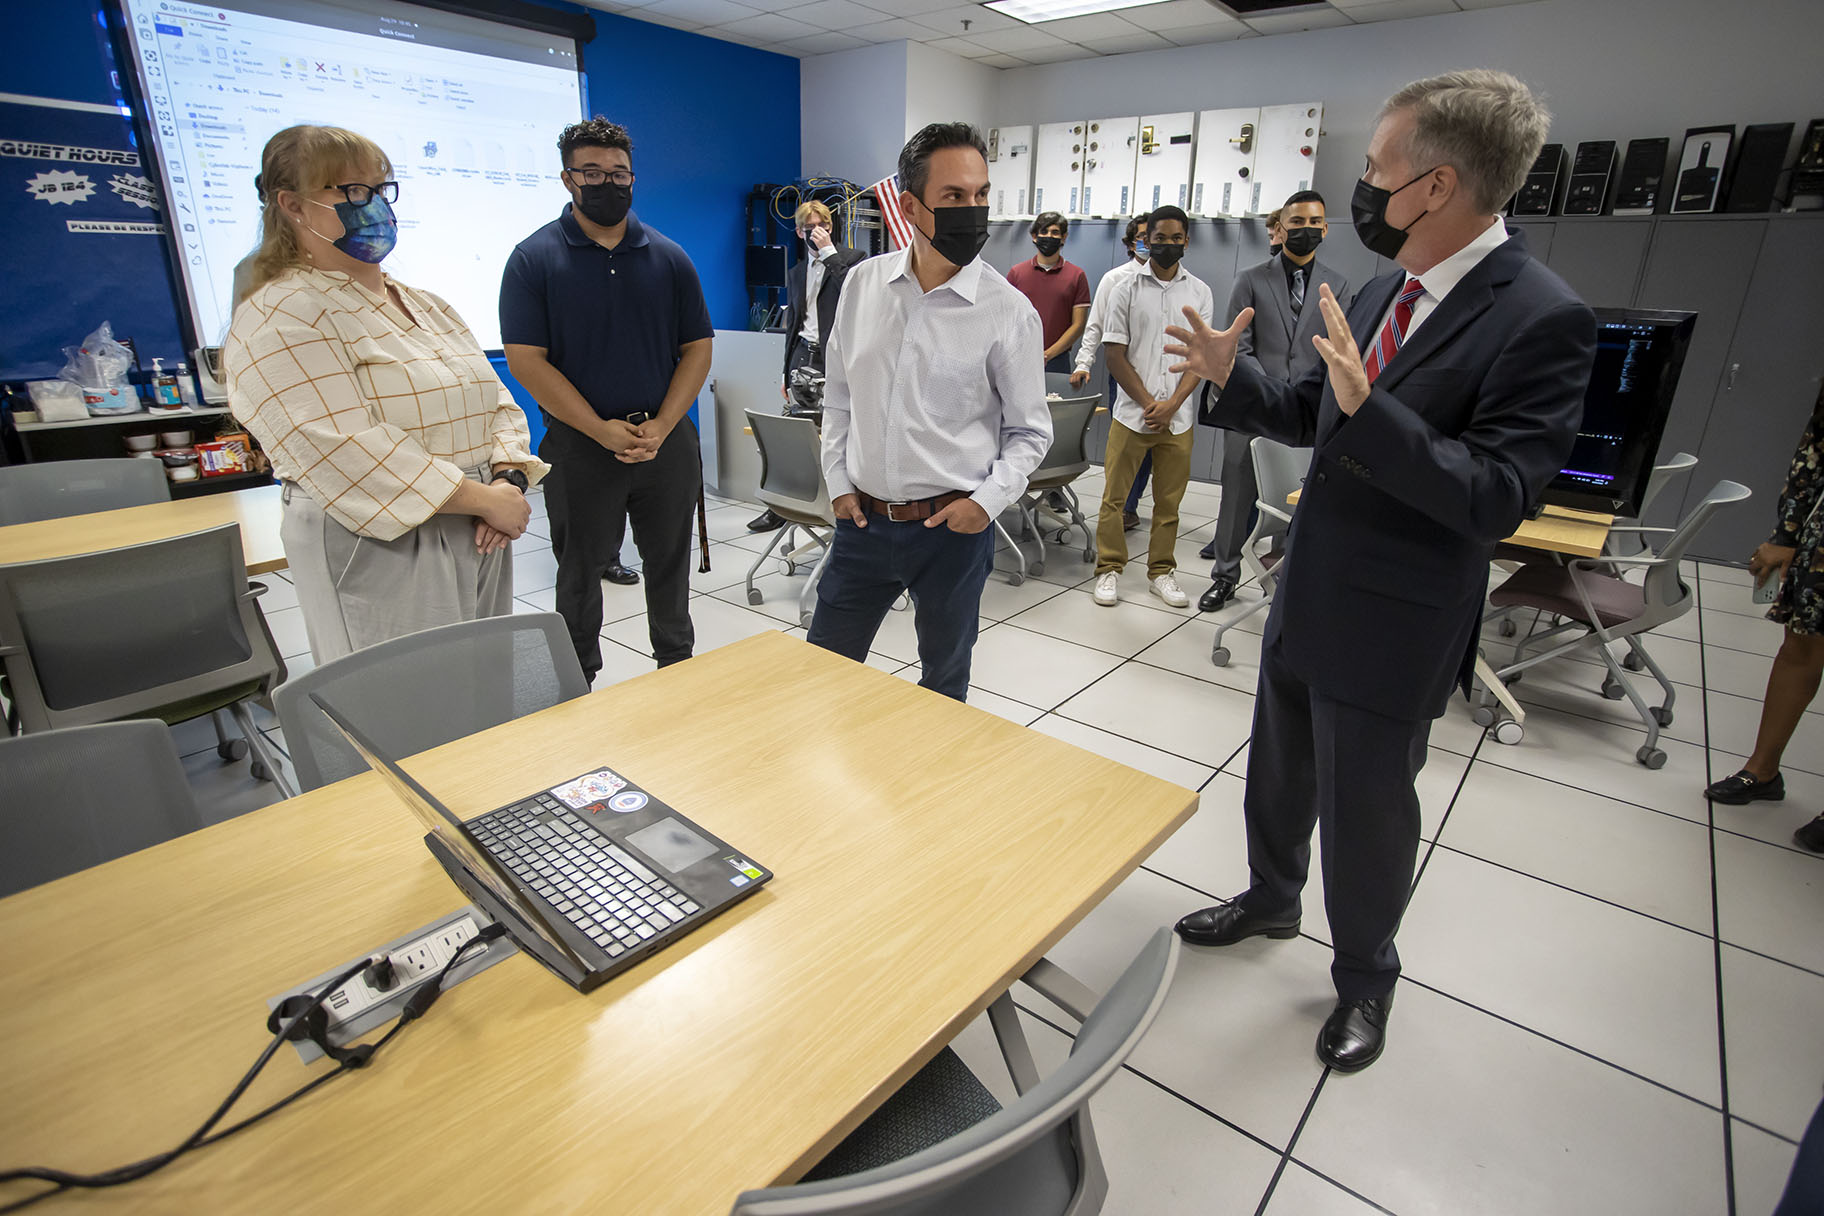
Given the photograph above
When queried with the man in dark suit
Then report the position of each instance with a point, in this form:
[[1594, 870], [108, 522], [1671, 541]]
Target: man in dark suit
[[1436, 420], [1282, 293], [818, 276]]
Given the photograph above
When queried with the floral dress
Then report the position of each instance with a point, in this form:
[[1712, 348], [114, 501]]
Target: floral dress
[[1800, 602]]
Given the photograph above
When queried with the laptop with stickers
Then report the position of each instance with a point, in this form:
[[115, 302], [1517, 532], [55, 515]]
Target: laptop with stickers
[[590, 876]]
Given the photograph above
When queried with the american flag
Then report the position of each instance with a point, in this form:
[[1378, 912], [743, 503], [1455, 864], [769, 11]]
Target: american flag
[[899, 228]]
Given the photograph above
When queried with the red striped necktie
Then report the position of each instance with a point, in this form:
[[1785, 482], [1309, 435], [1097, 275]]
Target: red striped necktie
[[1393, 334]]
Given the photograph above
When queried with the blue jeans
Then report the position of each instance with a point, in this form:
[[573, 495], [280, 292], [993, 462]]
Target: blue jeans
[[944, 571]]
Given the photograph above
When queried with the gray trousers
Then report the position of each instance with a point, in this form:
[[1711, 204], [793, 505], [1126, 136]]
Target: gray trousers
[[1235, 517], [357, 591]]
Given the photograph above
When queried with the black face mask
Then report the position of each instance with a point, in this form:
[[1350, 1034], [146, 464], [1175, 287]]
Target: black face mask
[[1166, 256], [1368, 207], [606, 204], [1273, 249], [1049, 245], [1303, 242], [958, 233]]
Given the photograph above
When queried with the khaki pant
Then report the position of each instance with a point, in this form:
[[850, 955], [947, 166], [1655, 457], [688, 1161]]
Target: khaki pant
[[1171, 473]]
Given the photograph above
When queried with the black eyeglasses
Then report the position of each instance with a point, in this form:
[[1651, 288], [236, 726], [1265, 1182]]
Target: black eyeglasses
[[595, 177], [360, 193]]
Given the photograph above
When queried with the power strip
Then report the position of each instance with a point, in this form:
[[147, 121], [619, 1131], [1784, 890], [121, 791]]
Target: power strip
[[358, 1007]]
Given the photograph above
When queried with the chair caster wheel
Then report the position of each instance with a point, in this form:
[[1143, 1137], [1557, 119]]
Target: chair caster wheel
[[1612, 689], [1632, 662], [1483, 716], [1515, 678], [1662, 715], [1015, 579], [1509, 732], [231, 749], [755, 596], [1063, 535], [1220, 656], [791, 568], [1506, 628], [1651, 757], [259, 771], [1037, 567]]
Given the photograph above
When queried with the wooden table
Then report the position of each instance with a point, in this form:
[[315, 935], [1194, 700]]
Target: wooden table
[[256, 510], [1557, 530], [926, 855]]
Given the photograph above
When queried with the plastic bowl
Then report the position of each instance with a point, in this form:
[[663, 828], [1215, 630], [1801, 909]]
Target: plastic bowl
[[185, 472], [142, 443], [174, 439]]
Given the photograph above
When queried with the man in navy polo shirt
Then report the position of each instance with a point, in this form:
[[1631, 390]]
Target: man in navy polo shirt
[[604, 322]]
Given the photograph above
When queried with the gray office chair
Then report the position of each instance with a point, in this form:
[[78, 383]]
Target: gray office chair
[[168, 629], [53, 489], [1035, 1158], [792, 485], [87, 794], [1278, 471], [1066, 460], [1599, 608], [425, 689]]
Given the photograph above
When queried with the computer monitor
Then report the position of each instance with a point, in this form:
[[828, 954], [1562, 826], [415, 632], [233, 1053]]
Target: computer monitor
[[1639, 353]]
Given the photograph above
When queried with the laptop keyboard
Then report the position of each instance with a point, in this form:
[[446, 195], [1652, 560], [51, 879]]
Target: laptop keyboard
[[596, 885]]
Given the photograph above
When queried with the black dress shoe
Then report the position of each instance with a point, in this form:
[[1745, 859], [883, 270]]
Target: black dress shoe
[[1226, 924], [1745, 787], [1811, 836], [620, 575], [1354, 1034], [1208, 552], [767, 521], [1221, 592]]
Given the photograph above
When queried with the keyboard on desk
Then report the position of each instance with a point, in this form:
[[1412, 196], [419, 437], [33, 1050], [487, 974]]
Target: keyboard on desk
[[599, 887]]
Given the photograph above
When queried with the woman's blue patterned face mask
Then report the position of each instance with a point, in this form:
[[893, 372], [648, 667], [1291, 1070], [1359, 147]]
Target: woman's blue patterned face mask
[[369, 231]]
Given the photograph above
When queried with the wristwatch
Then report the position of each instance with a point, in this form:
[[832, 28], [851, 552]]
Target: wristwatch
[[514, 478]]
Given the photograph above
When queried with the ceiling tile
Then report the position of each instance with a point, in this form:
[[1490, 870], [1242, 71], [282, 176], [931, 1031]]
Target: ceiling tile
[[910, 8], [768, 28], [1291, 23], [1139, 40], [676, 23], [1058, 54], [896, 30], [1094, 25], [1002, 61], [963, 48], [949, 21], [703, 12], [1180, 14], [1489, 3], [832, 14], [1199, 34], [1013, 42], [1395, 10], [825, 43]]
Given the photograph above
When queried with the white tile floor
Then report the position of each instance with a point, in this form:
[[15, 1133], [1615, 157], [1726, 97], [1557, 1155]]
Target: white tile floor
[[1612, 988]]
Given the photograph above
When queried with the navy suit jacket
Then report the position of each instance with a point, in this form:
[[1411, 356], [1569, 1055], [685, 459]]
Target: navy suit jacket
[[1387, 558]]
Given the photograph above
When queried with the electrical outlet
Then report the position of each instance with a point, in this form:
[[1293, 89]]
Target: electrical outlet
[[413, 964]]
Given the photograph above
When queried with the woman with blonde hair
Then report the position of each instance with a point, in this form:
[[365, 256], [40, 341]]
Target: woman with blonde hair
[[404, 460]]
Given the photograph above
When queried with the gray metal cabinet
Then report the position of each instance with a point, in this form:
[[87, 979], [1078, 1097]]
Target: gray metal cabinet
[[1703, 266], [1769, 381], [1601, 258], [1538, 234]]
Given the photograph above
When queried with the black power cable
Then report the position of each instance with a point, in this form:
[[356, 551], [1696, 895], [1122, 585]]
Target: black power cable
[[307, 1023]]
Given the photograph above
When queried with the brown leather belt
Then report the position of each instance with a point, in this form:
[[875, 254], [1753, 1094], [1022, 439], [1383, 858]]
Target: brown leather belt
[[907, 512]]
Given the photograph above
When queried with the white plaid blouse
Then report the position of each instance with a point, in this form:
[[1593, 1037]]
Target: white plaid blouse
[[375, 413]]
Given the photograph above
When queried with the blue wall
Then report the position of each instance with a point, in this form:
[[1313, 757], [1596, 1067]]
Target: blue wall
[[708, 118]]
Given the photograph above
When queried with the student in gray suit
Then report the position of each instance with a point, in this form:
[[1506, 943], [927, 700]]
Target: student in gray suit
[[1282, 291]]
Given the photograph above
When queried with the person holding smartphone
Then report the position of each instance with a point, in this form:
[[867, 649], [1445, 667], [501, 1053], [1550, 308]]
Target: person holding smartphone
[[1789, 574]]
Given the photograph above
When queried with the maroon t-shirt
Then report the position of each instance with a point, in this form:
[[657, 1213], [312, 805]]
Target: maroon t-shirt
[[1055, 293]]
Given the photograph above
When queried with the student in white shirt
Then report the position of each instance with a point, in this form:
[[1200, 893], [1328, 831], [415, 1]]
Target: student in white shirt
[[1151, 413], [1133, 241], [934, 416]]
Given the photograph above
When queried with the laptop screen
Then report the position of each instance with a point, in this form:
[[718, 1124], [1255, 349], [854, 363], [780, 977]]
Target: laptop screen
[[437, 819]]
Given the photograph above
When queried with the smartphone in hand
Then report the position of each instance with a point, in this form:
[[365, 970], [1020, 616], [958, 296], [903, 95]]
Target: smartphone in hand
[[1767, 587]]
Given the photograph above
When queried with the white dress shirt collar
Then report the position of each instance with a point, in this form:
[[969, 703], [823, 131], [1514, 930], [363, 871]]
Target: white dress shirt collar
[[1440, 279], [966, 282]]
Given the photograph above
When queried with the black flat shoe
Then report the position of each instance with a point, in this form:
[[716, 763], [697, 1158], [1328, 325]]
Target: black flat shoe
[[1208, 552], [1744, 788], [1354, 1034], [1221, 592], [767, 521], [621, 576], [1811, 836], [1226, 924]]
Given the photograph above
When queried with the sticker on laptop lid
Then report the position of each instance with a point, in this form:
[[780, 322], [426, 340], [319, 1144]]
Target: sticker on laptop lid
[[591, 789], [746, 867], [627, 801]]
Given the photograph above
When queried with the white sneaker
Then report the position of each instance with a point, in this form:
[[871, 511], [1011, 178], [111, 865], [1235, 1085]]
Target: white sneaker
[[1166, 588], [1107, 589]]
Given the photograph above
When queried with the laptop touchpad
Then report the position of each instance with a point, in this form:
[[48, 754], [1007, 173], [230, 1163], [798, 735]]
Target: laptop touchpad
[[671, 844]]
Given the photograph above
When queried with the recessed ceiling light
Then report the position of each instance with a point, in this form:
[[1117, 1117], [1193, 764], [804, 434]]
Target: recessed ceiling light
[[1035, 11]]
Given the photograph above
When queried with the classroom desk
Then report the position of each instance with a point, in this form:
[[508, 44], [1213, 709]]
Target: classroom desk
[[927, 854], [256, 510]]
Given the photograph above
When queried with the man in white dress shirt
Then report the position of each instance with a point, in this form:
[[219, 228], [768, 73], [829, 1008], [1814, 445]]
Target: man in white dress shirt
[[934, 416]]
